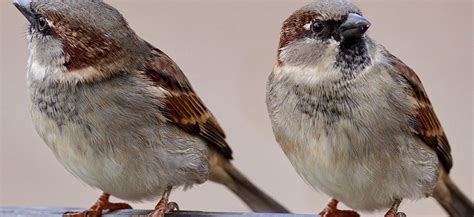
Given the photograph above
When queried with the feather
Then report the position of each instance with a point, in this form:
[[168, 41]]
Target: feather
[[426, 125], [181, 104]]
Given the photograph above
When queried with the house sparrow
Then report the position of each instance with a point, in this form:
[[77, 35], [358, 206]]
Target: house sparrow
[[355, 121], [118, 113]]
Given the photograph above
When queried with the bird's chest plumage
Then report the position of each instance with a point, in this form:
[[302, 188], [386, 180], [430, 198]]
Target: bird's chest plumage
[[313, 121], [345, 136], [116, 140], [60, 120], [320, 112]]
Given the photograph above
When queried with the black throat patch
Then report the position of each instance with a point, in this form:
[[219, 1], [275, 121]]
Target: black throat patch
[[353, 56]]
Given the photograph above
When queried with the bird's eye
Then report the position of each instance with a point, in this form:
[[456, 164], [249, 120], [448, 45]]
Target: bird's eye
[[317, 26], [42, 24]]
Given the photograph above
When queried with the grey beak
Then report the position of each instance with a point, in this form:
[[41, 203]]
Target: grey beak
[[24, 6], [354, 27]]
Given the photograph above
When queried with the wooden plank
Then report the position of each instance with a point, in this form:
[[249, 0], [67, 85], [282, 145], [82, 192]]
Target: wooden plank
[[57, 212]]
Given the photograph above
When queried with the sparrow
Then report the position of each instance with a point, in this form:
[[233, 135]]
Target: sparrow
[[118, 113], [353, 119]]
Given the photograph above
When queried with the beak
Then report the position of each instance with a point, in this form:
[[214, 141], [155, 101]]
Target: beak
[[354, 27], [24, 6]]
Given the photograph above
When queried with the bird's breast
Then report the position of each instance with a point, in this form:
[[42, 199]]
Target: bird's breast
[[111, 136], [345, 137]]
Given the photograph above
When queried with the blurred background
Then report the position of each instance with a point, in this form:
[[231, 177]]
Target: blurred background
[[227, 49]]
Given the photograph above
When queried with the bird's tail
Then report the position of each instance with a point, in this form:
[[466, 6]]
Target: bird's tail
[[222, 171], [451, 198]]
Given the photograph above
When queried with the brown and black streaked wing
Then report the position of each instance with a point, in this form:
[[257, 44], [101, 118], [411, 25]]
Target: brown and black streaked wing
[[425, 124], [181, 104]]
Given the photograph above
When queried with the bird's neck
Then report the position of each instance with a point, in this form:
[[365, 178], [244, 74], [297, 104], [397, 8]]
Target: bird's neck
[[353, 56]]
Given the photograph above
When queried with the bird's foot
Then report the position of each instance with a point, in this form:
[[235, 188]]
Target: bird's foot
[[102, 204], [394, 213], [332, 211], [162, 209]]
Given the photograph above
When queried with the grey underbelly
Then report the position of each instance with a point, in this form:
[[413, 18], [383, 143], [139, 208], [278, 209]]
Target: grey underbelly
[[364, 173], [136, 160]]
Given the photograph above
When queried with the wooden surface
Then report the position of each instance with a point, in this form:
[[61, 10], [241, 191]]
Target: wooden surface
[[55, 212]]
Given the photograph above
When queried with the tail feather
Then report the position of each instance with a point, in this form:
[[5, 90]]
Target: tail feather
[[225, 173], [451, 198]]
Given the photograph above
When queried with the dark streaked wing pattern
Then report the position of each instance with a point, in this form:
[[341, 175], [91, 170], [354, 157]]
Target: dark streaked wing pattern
[[426, 125], [181, 104]]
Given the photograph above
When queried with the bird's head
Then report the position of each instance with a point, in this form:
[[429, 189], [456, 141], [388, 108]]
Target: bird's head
[[325, 34], [78, 39]]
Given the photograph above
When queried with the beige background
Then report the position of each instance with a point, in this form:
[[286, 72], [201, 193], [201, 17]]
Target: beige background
[[227, 49]]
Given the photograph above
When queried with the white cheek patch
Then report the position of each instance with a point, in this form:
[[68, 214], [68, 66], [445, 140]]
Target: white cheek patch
[[40, 72], [36, 71]]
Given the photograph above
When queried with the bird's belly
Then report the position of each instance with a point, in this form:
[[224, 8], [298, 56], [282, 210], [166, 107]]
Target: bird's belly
[[350, 182], [120, 164], [362, 174]]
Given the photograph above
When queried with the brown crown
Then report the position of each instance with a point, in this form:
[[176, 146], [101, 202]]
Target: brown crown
[[293, 27]]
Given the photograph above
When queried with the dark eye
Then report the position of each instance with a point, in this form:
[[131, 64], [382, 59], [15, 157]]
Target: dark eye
[[42, 24], [317, 26]]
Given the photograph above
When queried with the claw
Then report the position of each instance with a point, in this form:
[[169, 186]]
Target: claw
[[172, 207], [401, 214], [395, 214]]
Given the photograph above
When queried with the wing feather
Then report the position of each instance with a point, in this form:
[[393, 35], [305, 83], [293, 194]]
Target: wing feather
[[181, 104], [426, 125]]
